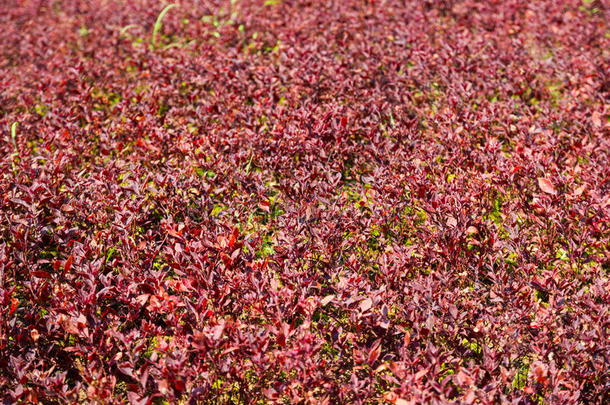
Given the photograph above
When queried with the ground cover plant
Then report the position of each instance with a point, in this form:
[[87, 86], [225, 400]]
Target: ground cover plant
[[293, 201]]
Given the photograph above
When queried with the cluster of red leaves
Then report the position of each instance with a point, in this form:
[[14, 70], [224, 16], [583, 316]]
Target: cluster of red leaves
[[303, 201]]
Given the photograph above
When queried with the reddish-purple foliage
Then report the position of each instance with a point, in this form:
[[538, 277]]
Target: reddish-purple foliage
[[305, 201]]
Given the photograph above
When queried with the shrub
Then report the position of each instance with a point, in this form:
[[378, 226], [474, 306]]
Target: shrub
[[295, 201]]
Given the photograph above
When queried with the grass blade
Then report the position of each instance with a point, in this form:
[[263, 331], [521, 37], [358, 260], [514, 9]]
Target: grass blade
[[159, 23]]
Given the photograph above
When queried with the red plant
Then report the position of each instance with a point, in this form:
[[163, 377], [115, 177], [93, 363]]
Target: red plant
[[297, 201]]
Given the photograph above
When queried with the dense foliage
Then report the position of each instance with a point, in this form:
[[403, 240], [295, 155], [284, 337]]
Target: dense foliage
[[305, 201]]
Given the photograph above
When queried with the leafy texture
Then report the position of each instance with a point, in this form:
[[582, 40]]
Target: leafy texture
[[304, 201]]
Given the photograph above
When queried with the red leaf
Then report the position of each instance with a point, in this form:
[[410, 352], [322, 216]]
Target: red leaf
[[174, 234], [68, 264], [469, 397], [270, 393], [539, 371], [546, 186], [264, 205], [135, 399], [327, 300], [420, 374], [14, 305], [141, 299], [580, 190], [375, 351], [41, 274], [126, 369], [233, 238], [596, 119], [453, 311], [366, 305], [472, 230]]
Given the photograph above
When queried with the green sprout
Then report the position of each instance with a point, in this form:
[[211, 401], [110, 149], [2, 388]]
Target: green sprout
[[159, 23], [14, 139]]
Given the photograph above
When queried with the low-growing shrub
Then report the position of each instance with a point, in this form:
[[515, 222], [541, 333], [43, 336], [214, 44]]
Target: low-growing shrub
[[304, 201]]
